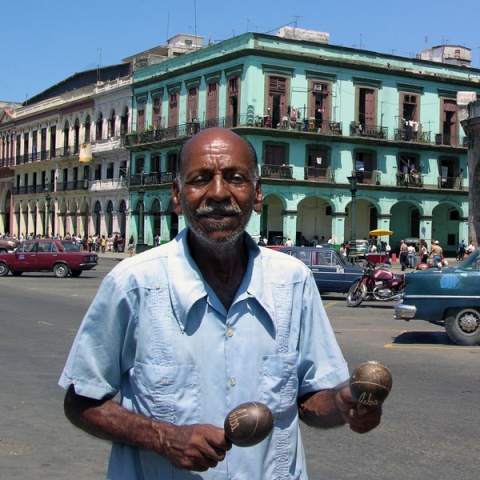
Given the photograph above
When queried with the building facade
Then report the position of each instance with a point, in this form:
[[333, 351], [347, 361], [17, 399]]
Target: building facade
[[68, 168], [334, 129]]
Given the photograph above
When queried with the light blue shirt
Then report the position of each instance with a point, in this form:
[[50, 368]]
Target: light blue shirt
[[157, 333]]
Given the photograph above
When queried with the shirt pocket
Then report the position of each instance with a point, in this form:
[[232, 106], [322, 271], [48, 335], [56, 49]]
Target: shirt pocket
[[166, 393], [280, 382]]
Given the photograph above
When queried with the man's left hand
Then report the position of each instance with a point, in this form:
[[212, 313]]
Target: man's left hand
[[361, 418]]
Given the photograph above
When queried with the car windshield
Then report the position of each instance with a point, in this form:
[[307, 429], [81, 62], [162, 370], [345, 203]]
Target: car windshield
[[472, 262]]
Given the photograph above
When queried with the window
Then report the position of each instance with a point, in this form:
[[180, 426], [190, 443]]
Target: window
[[366, 107], [76, 136], [277, 101], [173, 110], [365, 167], [318, 161], [111, 125], [109, 172], [274, 155], [157, 111], [140, 165], [140, 115], [449, 122], [212, 105], [88, 127], [319, 105], [97, 172], [192, 113], [66, 140], [99, 127], [155, 163], [409, 107]]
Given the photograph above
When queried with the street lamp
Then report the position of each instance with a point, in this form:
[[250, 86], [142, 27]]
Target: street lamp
[[141, 246], [353, 220], [46, 191]]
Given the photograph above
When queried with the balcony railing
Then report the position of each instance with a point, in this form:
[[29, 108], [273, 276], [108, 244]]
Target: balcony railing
[[72, 185], [284, 172], [372, 131], [409, 179], [153, 178], [451, 183], [368, 178], [316, 174], [408, 135]]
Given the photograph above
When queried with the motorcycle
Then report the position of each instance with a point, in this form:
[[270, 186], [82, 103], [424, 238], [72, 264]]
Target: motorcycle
[[376, 284]]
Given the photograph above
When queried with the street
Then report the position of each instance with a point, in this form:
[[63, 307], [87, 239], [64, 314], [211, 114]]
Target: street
[[429, 428]]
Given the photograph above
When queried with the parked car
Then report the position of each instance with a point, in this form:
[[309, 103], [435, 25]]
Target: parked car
[[450, 295], [8, 244], [361, 249], [331, 270], [60, 257]]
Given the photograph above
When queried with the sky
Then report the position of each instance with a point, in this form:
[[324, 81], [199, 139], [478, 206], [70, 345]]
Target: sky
[[47, 41]]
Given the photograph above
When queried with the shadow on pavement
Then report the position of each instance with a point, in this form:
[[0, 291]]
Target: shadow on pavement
[[422, 338]]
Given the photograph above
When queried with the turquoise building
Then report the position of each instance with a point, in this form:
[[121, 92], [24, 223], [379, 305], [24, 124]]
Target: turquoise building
[[333, 127]]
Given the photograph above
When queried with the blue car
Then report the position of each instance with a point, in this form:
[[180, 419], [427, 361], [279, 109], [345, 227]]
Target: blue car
[[450, 295], [332, 272]]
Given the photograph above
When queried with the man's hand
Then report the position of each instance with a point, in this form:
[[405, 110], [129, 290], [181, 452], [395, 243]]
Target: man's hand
[[193, 447], [361, 418]]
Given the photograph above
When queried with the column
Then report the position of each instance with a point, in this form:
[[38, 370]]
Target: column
[[338, 228], [463, 230], [426, 228], [290, 224]]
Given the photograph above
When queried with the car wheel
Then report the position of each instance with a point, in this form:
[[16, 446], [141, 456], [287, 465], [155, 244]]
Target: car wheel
[[16, 274], [4, 270], [76, 273], [356, 294], [60, 270], [464, 328]]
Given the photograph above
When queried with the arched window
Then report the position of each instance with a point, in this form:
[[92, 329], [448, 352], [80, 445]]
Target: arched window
[[99, 131], [111, 124], [76, 136], [66, 133], [88, 127]]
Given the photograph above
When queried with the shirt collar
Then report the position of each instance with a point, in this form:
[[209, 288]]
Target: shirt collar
[[186, 284]]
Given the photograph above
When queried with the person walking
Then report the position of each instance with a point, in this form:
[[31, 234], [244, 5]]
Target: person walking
[[403, 255], [187, 331], [131, 246]]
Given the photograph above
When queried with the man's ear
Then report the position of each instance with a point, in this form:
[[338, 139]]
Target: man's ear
[[177, 205], [258, 197]]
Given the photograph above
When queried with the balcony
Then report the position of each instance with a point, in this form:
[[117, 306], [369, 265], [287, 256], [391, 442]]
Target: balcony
[[72, 185], [409, 180], [450, 183], [316, 174], [409, 135], [284, 172], [371, 131], [153, 178], [367, 178]]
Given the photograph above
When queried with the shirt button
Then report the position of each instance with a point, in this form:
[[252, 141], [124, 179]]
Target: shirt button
[[164, 381], [233, 381], [230, 332]]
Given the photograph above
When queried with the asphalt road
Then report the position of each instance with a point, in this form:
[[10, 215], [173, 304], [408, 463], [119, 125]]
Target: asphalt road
[[429, 429]]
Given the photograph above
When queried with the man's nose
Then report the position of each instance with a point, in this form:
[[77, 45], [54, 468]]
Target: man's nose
[[219, 188]]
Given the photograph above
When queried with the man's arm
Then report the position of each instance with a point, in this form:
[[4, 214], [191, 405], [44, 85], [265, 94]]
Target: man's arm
[[191, 447], [335, 407]]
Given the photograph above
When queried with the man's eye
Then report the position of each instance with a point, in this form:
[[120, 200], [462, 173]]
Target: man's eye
[[237, 179]]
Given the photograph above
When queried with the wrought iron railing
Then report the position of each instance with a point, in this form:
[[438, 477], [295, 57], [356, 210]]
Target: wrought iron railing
[[409, 179], [317, 174], [372, 131], [284, 172]]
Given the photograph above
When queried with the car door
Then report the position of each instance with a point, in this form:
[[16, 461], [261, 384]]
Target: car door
[[328, 272], [46, 254], [26, 257]]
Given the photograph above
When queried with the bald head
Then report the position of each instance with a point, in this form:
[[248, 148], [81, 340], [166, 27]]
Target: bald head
[[213, 138]]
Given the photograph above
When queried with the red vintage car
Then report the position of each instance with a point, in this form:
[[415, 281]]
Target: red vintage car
[[60, 257]]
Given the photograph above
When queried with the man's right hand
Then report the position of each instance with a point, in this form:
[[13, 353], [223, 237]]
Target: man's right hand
[[192, 447]]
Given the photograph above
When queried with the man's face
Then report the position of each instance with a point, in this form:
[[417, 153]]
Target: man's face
[[218, 192]]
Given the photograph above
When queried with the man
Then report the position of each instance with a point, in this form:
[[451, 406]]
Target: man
[[191, 329], [461, 250], [436, 253], [403, 255]]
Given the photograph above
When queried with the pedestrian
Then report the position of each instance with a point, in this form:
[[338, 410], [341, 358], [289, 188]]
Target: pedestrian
[[436, 253], [461, 250], [403, 255], [115, 243], [289, 242], [411, 256], [131, 246], [423, 251], [470, 248], [199, 325]]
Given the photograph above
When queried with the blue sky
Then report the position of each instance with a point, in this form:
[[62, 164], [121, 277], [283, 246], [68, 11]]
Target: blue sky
[[46, 41]]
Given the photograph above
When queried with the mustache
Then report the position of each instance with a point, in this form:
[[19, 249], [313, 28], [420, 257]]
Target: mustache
[[218, 210]]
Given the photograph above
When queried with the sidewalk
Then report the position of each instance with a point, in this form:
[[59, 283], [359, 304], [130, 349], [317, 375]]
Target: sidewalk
[[397, 268]]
